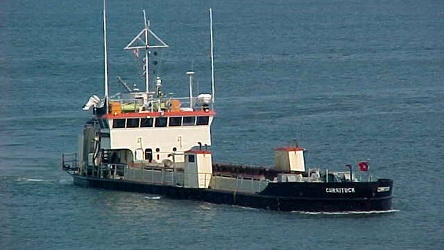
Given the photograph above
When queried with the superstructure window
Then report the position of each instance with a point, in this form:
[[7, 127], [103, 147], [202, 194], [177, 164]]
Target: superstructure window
[[118, 123], [132, 122], [203, 120], [146, 122], [175, 121], [100, 122], [161, 122], [191, 158], [189, 120], [103, 123]]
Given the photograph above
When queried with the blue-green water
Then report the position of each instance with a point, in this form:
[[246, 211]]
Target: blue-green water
[[351, 80]]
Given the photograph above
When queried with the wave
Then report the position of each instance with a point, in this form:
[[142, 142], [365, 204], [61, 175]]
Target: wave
[[152, 197], [66, 181], [348, 212], [31, 180], [62, 181]]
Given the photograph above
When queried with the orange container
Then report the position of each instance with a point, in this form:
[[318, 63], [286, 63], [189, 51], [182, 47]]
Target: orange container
[[116, 108], [175, 105]]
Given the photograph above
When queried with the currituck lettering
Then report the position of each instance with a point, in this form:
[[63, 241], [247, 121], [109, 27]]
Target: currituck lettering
[[383, 189], [340, 190]]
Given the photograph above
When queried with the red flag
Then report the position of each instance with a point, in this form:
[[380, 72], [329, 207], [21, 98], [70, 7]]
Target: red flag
[[363, 166]]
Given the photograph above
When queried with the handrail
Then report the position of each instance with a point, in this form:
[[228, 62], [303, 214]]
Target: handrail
[[69, 163]]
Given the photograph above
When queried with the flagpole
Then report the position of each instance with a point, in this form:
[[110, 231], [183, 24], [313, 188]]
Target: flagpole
[[212, 57], [105, 57]]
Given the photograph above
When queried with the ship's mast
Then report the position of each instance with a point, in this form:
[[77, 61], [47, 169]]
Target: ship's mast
[[190, 74], [141, 41], [146, 66], [212, 58], [105, 57]]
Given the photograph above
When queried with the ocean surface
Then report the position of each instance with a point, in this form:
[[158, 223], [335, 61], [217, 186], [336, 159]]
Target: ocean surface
[[351, 80]]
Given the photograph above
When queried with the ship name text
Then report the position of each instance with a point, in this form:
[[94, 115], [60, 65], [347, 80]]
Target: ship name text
[[340, 190]]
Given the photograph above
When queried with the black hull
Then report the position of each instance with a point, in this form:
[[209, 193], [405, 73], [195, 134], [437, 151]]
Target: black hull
[[309, 197]]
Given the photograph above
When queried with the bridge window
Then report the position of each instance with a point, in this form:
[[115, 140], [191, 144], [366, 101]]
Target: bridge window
[[203, 120], [132, 122], [161, 122], [175, 121], [189, 120], [191, 158], [104, 135], [146, 122], [118, 123], [103, 123]]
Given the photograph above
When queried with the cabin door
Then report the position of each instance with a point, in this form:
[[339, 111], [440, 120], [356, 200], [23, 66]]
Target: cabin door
[[149, 154]]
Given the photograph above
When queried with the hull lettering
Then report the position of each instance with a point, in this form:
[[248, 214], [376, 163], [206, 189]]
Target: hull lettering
[[383, 189], [340, 190]]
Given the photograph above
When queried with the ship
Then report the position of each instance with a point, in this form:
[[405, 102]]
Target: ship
[[151, 142]]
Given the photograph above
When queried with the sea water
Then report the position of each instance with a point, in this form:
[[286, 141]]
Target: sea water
[[349, 80]]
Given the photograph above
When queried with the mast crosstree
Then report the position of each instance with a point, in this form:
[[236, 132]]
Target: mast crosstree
[[142, 42]]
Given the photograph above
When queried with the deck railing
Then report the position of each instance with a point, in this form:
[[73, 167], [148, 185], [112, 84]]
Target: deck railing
[[69, 163]]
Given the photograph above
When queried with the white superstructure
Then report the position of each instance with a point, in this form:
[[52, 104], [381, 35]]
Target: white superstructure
[[145, 128]]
